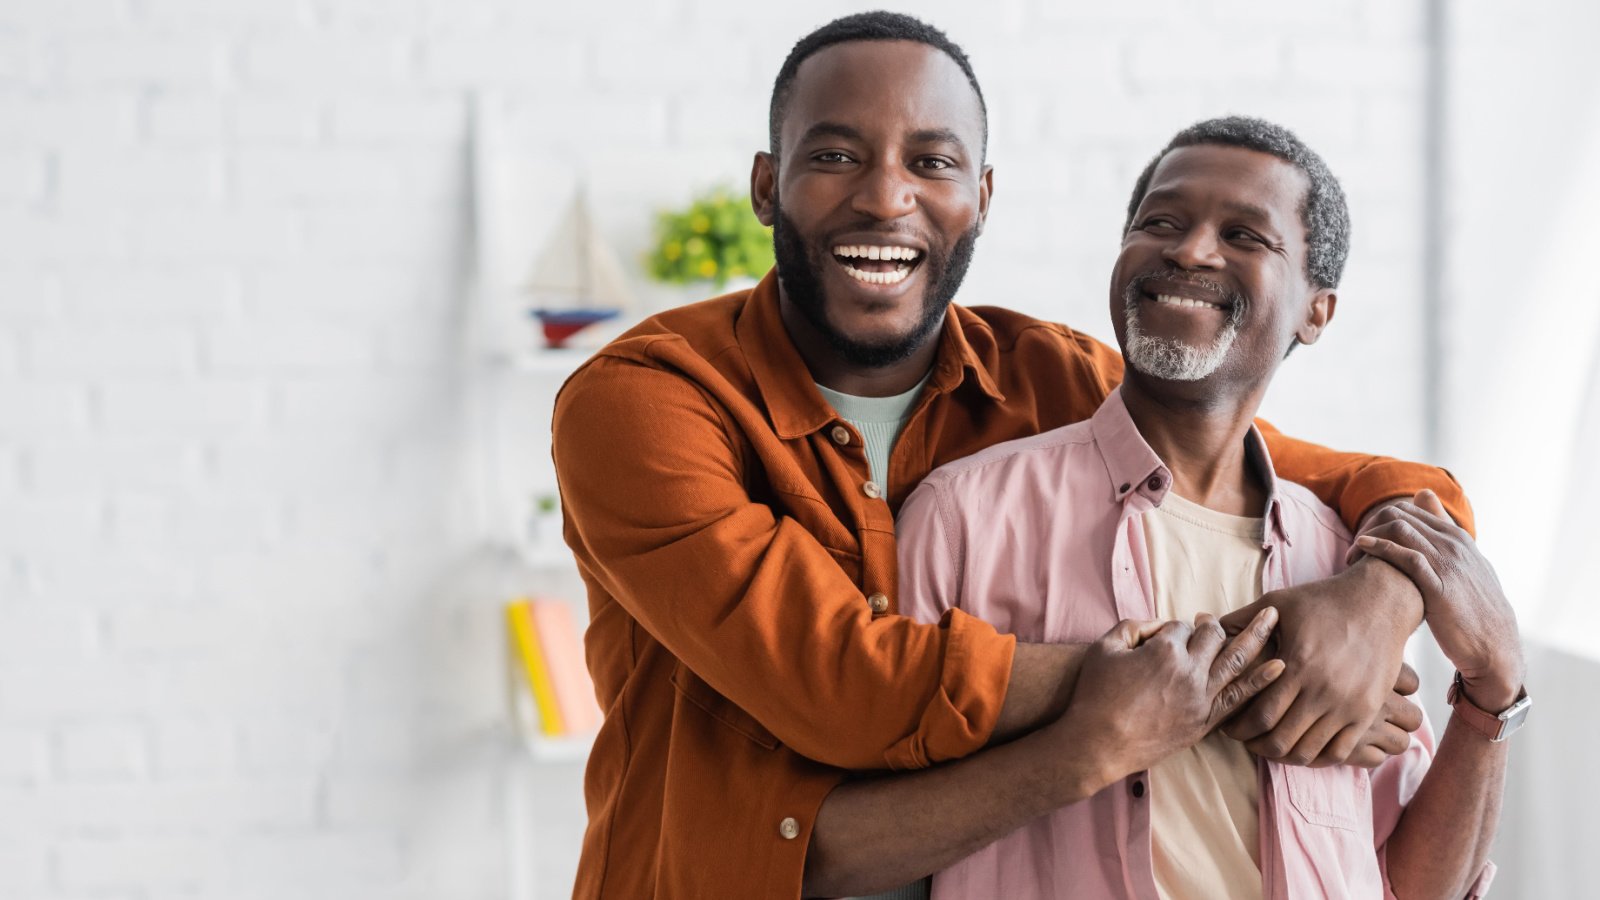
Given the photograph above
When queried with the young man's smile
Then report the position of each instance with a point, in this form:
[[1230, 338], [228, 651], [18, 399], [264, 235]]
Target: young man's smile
[[879, 264]]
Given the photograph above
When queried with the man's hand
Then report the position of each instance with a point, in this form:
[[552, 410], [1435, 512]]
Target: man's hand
[[1389, 736], [1342, 641], [1466, 609], [1149, 689]]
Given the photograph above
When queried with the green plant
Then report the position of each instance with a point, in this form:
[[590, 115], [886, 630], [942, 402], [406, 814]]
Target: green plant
[[715, 239]]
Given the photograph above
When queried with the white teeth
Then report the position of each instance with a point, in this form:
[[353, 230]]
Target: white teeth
[[895, 277], [1169, 300], [875, 251]]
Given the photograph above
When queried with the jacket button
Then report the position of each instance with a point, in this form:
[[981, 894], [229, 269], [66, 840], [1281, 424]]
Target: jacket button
[[878, 602], [872, 490], [1154, 483], [1124, 488], [841, 435], [1138, 789], [789, 828]]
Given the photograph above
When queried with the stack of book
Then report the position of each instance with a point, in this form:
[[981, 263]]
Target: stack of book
[[549, 649]]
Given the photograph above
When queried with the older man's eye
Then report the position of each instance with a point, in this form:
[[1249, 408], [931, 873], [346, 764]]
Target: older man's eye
[[1158, 224]]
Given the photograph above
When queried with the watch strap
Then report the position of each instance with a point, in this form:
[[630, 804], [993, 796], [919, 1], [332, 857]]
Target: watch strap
[[1494, 726]]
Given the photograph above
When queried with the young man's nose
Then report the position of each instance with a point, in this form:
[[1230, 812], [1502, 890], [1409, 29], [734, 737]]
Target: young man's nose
[[1197, 248], [884, 192]]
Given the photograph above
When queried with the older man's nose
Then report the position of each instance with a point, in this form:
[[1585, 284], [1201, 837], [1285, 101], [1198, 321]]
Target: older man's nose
[[885, 192], [1196, 248]]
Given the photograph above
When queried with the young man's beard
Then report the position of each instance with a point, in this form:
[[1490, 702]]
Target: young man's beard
[[801, 273], [1168, 358]]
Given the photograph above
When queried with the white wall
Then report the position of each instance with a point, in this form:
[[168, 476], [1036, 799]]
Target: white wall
[[248, 647], [1521, 412]]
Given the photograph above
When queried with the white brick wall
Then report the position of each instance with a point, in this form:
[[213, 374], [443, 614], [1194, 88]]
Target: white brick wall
[[247, 648]]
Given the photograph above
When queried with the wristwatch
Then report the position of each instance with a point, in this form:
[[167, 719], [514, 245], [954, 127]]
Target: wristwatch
[[1494, 726]]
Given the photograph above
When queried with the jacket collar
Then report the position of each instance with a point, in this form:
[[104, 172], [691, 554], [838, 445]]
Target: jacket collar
[[793, 402]]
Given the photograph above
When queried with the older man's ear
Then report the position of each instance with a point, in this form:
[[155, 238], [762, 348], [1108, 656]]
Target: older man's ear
[[1318, 314]]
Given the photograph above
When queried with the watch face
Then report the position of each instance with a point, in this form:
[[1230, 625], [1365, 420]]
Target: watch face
[[1512, 719]]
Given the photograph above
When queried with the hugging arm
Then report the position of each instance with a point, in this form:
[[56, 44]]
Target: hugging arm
[[1143, 691], [746, 598]]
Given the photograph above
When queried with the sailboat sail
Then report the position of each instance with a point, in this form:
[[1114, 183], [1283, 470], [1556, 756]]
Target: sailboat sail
[[577, 269]]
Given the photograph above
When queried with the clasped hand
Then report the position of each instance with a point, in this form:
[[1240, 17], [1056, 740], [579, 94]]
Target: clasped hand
[[1149, 689], [1464, 605]]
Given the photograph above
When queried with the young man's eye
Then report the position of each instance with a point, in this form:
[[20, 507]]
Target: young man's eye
[[831, 156], [935, 163], [1158, 224]]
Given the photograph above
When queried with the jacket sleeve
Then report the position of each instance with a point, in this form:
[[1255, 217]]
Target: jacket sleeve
[[652, 484], [1353, 483]]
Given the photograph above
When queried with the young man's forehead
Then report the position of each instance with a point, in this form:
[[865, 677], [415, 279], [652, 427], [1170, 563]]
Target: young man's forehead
[[854, 83]]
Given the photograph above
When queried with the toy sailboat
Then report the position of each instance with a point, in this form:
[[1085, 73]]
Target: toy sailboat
[[578, 279]]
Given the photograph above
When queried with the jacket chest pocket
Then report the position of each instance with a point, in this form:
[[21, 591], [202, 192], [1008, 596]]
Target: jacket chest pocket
[[703, 696], [1334, 797]]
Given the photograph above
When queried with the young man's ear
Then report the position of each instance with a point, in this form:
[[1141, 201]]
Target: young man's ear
[[764, 187], [985, 192], [1318, 314]]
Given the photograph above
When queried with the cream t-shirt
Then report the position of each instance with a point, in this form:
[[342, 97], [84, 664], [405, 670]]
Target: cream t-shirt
[[1203, 812]]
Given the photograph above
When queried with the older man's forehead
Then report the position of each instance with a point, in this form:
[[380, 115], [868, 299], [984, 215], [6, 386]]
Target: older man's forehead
[[1241, 180]]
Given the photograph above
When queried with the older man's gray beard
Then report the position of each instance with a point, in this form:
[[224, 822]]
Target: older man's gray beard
[[1170, 359]]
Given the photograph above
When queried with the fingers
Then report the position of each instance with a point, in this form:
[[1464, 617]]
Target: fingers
[[1412, 562], [1318, 739], [1405, 531], [1243, 648], [1264, 712], [1401, 713], [1281, 741], [1239, 619], [1239, 690], [1436, 527], [1207, 637], [1408, 682], [1130, 633], [1429, 501], [1381, 742], [1341, 748]]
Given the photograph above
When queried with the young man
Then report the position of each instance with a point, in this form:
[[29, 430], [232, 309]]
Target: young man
[[736, 531], [1165, 505]]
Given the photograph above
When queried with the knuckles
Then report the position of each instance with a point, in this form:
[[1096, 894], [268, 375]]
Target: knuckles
[[1297, 758], [1253, 721], [1275, 747]]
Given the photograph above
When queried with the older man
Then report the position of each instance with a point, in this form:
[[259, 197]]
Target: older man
[[730, 472], [1165, 505]]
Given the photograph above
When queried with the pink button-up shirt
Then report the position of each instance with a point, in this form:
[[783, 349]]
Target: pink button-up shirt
[[1043, 537]]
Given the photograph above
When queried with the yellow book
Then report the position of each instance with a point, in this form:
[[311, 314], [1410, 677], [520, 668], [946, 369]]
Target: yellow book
[[526, 640]]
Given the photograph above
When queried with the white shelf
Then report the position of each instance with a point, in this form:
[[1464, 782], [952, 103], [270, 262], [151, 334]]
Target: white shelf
[[546, 361], [559, 749]]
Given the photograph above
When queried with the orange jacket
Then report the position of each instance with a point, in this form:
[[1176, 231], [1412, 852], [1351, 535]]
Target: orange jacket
[[732, 546]]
